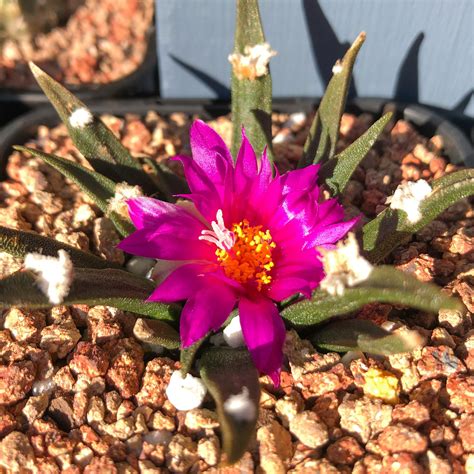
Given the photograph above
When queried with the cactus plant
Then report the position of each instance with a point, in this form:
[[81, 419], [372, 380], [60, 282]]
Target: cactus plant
[[269, 244]]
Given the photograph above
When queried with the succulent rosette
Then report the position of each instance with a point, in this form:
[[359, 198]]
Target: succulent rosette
[[244, 237]]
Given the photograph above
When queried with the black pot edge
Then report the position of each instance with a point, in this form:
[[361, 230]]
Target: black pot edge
[[35, 96], [457, 146]]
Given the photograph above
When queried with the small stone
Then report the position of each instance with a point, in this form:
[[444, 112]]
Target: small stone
[[307, 427], [102, 325], [441, 337], [25, 326], [345, 450], [401, 462], [159, 421], [16, 453], [364, 418], [89, 359], [102, 464], [455, 321], [61, 411], [126, 367], [439, 361], [413, 414], [209, 450], [16, 380], [399, 438], [461, 392], [35, 407], [466, 433], [436, 464], [200, 418], [64, 379], [7, 422], [378, 383], [60, 339], [288, 407], [155, 381], [182, 454], [106, 239]]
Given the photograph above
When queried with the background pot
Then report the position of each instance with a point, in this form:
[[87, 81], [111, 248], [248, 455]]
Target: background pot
[[456, 145]]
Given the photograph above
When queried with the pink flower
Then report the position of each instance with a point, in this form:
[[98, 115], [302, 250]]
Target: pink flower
[[244, 238]]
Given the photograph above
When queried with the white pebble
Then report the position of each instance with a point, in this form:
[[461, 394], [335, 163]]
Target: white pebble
[[233, 333], [185, 393]]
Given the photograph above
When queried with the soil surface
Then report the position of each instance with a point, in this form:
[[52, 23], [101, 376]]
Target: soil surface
[[78, 393], [103, 41]]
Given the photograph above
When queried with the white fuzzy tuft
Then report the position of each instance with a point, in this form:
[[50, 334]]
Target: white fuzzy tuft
[[344, 266], [233, 333], [55, 275], [253, 63], [81, 117], [408, 197], [123, 191], [240, 406], [185, 393], [337, 68]]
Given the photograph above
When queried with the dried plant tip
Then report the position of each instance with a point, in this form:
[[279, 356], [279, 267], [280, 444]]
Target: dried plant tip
[[118, 203], [240, 406], [344, 267], [253, 63], [408, 197], [55, 275], [81, 117]]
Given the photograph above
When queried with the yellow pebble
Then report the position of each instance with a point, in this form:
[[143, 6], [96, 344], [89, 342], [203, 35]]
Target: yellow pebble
[[381, 384]]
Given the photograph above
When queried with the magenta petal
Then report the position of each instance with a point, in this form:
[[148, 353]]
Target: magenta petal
[[332, 233], [246, 163], [145, 211], [206, 310], [210, 152], [264, 334], [181, 283]]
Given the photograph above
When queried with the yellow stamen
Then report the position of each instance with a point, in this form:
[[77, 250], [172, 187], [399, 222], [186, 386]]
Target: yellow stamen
[[250, 259]]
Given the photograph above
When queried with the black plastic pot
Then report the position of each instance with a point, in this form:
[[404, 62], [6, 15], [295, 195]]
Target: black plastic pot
[[141, 82], [457, 147]]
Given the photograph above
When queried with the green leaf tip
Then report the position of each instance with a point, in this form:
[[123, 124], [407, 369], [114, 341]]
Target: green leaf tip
[[321, 142], [384, 285], [251, 99], [232, 380], [364, 336]]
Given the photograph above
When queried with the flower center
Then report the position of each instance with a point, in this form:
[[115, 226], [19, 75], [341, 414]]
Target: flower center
[[245, 252], [250, 259]]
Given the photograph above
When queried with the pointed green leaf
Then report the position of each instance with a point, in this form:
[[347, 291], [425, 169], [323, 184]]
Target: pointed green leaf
[[384, 285], [364, 336], [99, 188], [251, 99], [337, 172], [19, 243], [108, 287], [229, 372], [322, 138], [93, 139], [392, 228], [155, 334]]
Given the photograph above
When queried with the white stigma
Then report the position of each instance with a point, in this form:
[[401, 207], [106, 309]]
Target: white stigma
[[55, 275], [240, 406], [344, 266], [219, 235], [408, 197], [81, 117], [185, 393]]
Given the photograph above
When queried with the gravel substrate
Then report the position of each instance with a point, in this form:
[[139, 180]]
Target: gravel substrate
[[103, 41], [79, 394]]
